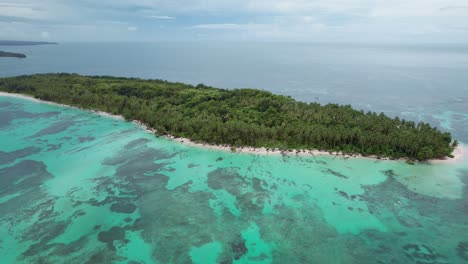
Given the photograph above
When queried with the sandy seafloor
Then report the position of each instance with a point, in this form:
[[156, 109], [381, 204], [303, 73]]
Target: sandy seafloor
[[77, 187]]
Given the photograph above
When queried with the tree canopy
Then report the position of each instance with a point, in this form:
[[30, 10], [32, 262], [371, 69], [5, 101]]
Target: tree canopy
[[239, 117]]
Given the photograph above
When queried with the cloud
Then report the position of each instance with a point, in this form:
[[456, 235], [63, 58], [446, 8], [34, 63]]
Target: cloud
[[45, 35], [228, 26], [454, 8], [44, 10], [308, 20], [162, 17], [21, 10]]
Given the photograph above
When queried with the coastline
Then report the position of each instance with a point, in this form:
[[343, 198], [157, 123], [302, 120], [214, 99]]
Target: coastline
[[458, 153], [33, 99]]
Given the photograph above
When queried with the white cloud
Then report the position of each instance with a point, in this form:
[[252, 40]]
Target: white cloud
[[265, 19], [44, 10], [229, 26], [21, 10], [162, 17], [45, 35]]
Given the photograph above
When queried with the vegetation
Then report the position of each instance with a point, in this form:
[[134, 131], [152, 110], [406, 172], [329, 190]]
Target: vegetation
[[241, 117], [11, 54]]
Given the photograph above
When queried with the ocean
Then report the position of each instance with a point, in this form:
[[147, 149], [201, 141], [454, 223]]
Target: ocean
[[77, 187]]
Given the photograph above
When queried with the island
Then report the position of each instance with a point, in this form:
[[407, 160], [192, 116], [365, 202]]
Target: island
[[24, 43], [4, 54], [240, 117]]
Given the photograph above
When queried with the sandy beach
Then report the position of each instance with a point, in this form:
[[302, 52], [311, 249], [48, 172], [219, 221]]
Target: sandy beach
[[33, 99], [458, 153]]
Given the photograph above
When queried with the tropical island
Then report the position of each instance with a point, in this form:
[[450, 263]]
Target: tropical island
[[239, 117], [4, 54]]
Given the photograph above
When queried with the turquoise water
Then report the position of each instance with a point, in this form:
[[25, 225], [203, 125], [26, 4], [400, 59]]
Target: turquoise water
[[76, 187]]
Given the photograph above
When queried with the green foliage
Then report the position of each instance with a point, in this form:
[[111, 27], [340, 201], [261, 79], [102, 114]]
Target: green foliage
[[241, 117]]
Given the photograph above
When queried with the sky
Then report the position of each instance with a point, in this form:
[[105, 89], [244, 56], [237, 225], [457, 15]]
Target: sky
[[380, 21]]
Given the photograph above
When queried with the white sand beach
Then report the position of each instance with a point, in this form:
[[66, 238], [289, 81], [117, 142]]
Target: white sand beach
[[30, 98], [458, 155]]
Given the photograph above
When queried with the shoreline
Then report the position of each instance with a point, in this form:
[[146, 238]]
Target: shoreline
[[458, 153], [33, 99]]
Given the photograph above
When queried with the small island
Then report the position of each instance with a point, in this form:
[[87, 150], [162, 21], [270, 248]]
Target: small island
[[24, 43], [4, 54], [240, 117]]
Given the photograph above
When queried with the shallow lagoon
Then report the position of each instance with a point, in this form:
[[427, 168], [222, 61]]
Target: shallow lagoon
[[76, 187]]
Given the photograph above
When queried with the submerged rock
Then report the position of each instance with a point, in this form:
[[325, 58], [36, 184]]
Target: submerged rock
[[116, 233], [462, 250]]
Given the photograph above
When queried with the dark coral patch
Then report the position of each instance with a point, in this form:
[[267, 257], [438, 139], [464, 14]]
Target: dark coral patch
[[70, 248], [98, 258], [86, 139], [179, 215], [116, 233], [138, 163], [53, 147], [422, 254], [343, 194], [389, 173], [146, 155], [262, 257], [238, 248], [8, 157], [44, 233], [124, 207], [462, 250], [7, 116], [335, 173], [54, 128], [5, 104], [22, 176], [136, 143], [233, 249], [78, 213], [227, 179], [251, 202], [258, 184]]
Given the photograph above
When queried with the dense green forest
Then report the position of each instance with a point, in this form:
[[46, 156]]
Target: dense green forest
[[240, 117]]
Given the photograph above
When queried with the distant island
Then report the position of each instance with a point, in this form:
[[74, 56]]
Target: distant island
[[239, 117], [4, 54], [24, 43]]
